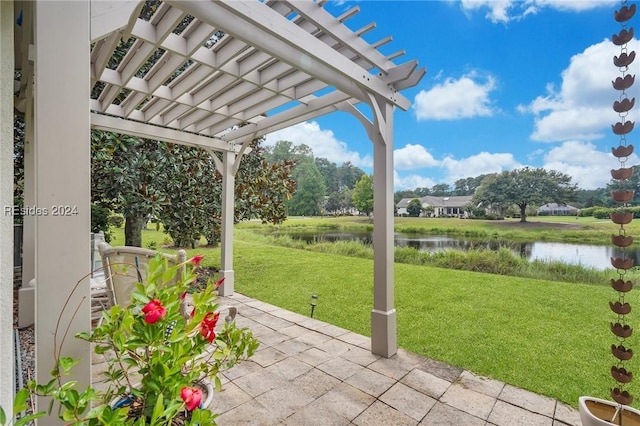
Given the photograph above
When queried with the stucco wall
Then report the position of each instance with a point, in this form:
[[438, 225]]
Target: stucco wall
[[6, 199]]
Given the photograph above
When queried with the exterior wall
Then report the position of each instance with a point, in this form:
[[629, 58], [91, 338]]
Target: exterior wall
[[6, 200]]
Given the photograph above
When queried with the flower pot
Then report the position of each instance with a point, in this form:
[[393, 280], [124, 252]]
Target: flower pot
[[600, 412]]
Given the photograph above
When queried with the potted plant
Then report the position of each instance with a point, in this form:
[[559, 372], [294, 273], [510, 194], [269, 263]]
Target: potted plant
[[163, 359]]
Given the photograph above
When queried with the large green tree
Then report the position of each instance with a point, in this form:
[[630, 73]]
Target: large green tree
[[195, 193], [182, 187], [126, 176], [308, 199], [348, 175], [525, 187], [363, 194], [414, 208]]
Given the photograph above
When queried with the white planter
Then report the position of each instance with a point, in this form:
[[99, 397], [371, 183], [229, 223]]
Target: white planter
[[600, 412], [207, 390]]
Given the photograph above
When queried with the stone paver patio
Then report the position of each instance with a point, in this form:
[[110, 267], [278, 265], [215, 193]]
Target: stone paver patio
[[308, 372]]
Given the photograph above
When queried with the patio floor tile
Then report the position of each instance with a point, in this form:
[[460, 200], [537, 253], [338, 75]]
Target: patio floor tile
[[332, 330], [340, 368], [355, 339], [426, 383], [505, 414], [284, 401], [267, 356], [346, 401], [336, 347], [273, 338], [260, 382], [360, 356], [229, 398], [313, 356], [379, 410], [528, 400], [481, 384], [289, 316], [293, 347], [242, 369], [316, 382], [390, 367], [446, 415], [316, 413], [375, 384], [251, 413], [408, 401], [313, 338], [440, 369], [472, 402], [271, 321], [567, 415], [289, 368]]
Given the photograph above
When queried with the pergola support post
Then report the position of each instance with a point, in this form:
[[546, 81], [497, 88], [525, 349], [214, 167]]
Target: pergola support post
[[63, 193], [384, 340], [6, 201], [226, 236]]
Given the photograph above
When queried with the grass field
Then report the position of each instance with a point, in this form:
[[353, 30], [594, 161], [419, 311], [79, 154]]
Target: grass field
[[549, 337]]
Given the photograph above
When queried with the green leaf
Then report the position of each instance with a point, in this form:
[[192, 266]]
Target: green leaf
[[29, 418], [3, 416], [19, 403], [67, 363], [158, 410]]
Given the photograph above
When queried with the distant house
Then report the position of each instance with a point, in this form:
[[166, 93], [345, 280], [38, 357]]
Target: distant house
[[440, 206], [555, 209]]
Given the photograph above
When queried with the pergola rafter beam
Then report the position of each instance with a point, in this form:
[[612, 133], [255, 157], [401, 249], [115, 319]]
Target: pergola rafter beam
[[270, 124], [292, 45], [327, 23]]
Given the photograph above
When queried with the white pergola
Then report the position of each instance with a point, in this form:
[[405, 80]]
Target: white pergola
[[278, 63]]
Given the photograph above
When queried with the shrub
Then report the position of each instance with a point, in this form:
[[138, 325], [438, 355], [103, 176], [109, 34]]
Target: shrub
[[116, 220], [100, 220]]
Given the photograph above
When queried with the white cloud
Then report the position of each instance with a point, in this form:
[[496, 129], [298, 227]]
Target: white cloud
[[588, 167], [411, 182], [504, 11], [582, 108], [479, 164], [413, 157], [453, 99], [323, 143]]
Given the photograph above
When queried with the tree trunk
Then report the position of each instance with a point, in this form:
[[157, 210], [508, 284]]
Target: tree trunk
[[523, 212], [133, 230]]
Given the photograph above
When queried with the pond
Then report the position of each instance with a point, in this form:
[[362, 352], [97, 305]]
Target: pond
[[587, 255]]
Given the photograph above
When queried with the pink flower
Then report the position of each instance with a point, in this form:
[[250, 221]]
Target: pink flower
[[154, 311], [191, 397], [208, 326], [196, 260], [219, 283]]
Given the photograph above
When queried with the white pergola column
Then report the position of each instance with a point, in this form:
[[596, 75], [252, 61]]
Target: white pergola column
[[63, 177], [6, 201], [226, 237], [384, 340]]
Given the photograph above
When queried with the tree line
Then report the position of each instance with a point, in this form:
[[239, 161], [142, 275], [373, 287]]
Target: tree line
[[522, 189]]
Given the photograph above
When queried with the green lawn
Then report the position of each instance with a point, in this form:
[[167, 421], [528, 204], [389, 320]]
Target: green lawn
[[549, 337]]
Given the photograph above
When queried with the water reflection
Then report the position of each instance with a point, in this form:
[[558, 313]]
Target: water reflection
[[589, 256]]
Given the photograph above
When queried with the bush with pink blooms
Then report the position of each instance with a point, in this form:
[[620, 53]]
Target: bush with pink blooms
[[158, 357]]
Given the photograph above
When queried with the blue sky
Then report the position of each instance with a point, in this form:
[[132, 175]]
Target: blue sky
[[508, 84]]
